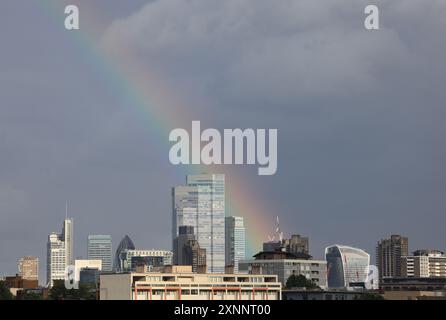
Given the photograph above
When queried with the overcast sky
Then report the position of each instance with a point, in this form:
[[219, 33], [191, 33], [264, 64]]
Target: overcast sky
[[361, 116]]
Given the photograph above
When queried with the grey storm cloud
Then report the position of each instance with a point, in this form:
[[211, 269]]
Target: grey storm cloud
[[252, 51]]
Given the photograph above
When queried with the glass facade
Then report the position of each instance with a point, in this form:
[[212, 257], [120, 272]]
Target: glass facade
[[125, 244], [130, 259], [100, 248], [89, 276], [235, 241], [346, 265], [201, 204], [67, 235], [314, 270]]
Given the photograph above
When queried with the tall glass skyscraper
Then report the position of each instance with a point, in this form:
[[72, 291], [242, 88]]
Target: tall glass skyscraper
[[125, 244], [60, 252], [235, 241], [67, 235], [346, 265], [201, 204], [100, 248]]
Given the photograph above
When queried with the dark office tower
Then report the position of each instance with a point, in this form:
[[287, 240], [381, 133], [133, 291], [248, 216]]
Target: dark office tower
[[388, 256], [296, 244], [194, 256], [272, 246], [125, 244], [187, 251], [185, 233]]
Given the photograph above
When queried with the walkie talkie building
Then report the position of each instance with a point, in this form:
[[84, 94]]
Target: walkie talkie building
[[346, 265]]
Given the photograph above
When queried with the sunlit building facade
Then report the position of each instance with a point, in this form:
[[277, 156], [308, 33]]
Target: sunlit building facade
[[201, 204], [29, 268], [60, 252], [424, 264], [180, 283], [56, 259], [100, 247], [346, 266], [235, 241]]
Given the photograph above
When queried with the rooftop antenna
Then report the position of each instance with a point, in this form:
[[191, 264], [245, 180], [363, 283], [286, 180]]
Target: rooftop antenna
[[278, 231], [66, 210]]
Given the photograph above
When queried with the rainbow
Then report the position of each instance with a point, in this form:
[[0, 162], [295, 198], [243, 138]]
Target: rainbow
[[152, 97]]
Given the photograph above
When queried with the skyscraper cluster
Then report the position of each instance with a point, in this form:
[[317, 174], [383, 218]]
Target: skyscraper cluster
[[60, 251], [200, 204], [394, 261], [206, 241]]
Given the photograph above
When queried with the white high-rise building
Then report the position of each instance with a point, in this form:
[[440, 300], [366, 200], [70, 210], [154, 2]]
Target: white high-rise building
[[100, 247], [424, 264], [67, 234], [56, 259], [201, 204], [60, 252], [235, 241]]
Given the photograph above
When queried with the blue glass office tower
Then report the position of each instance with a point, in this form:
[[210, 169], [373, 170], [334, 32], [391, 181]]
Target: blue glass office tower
[[235, 241], [100, 248], [201, 204]]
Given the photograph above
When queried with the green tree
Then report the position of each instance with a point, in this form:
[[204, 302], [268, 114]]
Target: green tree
[[86, 292], [31, 296], [369, 296], [300, 281], [5, 294], [60, 292]]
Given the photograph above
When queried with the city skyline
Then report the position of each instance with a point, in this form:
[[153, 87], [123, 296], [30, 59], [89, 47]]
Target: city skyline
[[85, 116], [205, 182], [68, 224], [389, 252]]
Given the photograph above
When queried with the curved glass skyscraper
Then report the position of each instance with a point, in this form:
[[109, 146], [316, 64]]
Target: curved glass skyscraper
[[346, 265], [125, 244]]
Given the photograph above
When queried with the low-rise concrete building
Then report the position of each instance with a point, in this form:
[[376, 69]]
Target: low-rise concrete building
[[424, 264], [17, 283], [180, 283], [413, 288], [301, 294], [284, 264]]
